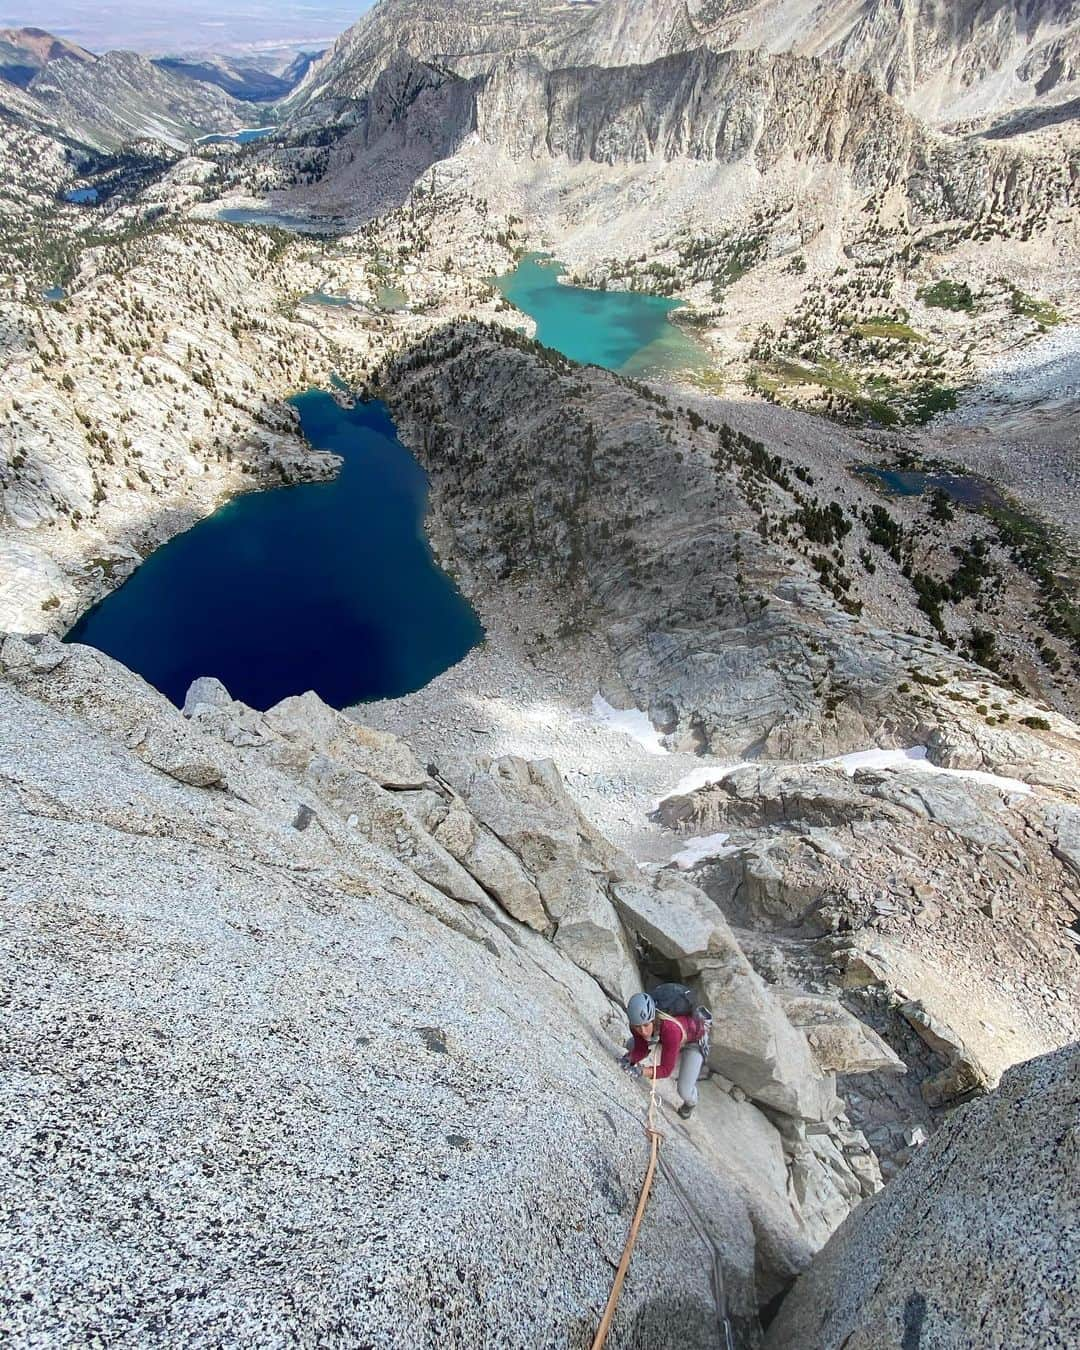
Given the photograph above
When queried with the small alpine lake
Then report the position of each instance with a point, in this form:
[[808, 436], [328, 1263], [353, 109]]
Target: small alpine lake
[[964, 489], [328, 586], [626, 331], [276, 220], [243, 137]]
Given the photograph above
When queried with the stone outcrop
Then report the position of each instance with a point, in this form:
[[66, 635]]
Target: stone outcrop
[[324, 944], [939, 907], [978, 1238], [840, 1042]]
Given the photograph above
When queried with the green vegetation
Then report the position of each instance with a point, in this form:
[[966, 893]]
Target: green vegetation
[[1027, 307], [929, 400], [1034, 550], [955, 295], [888, 328]]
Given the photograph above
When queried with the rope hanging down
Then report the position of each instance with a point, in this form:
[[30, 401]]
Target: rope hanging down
[[654, 1136], [697, 1222]]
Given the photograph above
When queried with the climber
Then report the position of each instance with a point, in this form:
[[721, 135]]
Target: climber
[[682, 1034]]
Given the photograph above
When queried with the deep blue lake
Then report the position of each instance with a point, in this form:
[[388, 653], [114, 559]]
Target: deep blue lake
[[326, 586], [625, 331]]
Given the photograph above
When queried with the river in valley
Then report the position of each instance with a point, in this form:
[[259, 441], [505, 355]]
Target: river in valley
[[326, 586]]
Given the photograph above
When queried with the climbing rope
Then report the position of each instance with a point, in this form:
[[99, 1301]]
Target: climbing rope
[[654, 1136], [697, 1222]]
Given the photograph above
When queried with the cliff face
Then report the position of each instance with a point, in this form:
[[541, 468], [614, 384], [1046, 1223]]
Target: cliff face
[[344, 1033], [944, 60], [979, 1233], [744, 107]]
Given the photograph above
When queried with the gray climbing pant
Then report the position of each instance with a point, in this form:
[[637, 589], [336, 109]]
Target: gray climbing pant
[[691, 1062]]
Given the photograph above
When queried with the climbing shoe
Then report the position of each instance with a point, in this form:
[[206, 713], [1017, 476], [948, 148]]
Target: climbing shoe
[[686, 1111]]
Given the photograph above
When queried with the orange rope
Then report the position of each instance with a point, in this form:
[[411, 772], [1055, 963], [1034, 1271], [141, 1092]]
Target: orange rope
[[654, 1137]]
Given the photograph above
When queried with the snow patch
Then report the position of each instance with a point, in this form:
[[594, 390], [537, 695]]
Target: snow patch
[[699, 847], [699, 778], [632, 721], [915, 758]]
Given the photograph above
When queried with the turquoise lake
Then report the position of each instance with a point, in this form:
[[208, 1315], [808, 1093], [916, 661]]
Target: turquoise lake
[[326, 586], [624, 331], [244, 137]]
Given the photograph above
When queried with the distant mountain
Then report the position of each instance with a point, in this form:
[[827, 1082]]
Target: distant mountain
[[249, 81], [24, 51], [947, 61], [104, 102], [466, 38]]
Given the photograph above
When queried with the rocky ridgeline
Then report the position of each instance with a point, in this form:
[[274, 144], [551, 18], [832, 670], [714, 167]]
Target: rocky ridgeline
[[463, 38], [104, 102], [343, 1028], [751, 600], [706, 107], [731, 107], [946, 62]]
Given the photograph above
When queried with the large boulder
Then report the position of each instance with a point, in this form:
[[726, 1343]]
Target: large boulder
[[525, 805], [840, 1042], [977, 1243], [672, 916], [755, 1045]]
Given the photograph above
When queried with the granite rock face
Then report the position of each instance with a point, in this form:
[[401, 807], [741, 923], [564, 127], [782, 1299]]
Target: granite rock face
[[278, 1008], [946, 60], [465, 38], [746, 107], [976, 1244]]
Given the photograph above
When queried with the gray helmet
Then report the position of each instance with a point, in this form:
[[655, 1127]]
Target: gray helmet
[[640, 1009]]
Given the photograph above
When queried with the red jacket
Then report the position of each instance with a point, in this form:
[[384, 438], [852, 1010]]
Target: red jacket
[[675, 1032]]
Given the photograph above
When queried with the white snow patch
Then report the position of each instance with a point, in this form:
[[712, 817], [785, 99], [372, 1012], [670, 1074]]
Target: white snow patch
[[699, 778], [915, 758], [702, 846], [633, 722], [879, 759]]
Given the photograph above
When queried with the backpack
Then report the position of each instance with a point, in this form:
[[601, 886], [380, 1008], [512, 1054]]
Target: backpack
[[675, 1000]]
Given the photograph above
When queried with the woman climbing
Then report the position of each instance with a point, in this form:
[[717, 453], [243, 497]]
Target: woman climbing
[[668, 1017]]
